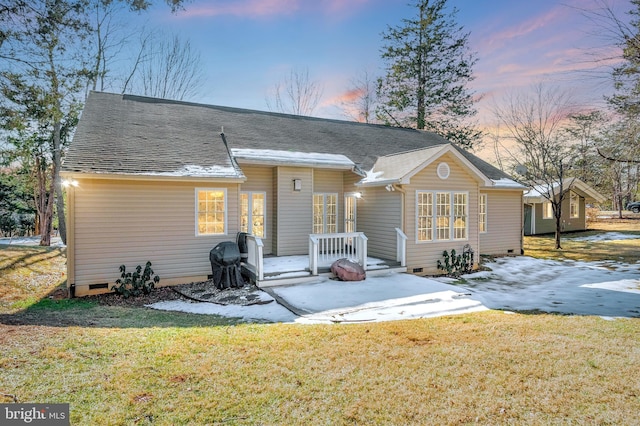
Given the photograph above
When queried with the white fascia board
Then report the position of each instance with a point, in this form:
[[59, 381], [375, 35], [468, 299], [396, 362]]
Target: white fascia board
[[154, 177], [283, 158], [381, 182]]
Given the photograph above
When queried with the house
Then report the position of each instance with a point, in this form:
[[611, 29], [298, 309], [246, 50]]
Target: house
[[166, 181], [538, 211]]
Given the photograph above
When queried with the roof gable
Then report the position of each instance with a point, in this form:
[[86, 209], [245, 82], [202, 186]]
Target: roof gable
[[400, 168]]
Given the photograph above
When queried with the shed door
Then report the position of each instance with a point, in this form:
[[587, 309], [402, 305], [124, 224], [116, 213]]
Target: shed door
[[528, 211]]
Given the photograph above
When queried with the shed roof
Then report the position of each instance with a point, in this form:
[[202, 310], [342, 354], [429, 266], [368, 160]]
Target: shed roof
[[541, 193]]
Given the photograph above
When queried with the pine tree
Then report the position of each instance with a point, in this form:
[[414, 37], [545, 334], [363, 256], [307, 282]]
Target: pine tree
[[626, 76], [428, 67]]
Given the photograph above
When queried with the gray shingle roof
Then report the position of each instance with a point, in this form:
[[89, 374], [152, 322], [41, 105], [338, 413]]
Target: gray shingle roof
[[134, 134]]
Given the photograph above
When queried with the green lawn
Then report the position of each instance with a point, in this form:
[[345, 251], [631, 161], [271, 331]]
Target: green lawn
[[132, 365]]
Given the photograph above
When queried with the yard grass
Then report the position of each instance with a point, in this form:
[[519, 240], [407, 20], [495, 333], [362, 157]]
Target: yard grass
[[130, 365], [626, 251]]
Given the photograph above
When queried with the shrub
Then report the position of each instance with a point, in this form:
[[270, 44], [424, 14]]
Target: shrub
[[457, 264], [136, 283]]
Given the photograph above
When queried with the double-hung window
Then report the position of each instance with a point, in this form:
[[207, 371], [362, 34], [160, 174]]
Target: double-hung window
[[442, 216], [459, 216], [574, 206], [425, 216], [211, 211], [547, 210], [325, 213], [253, 213], [350, 205], [482, 213]]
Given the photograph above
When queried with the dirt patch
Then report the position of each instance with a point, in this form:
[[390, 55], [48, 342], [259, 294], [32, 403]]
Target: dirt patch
[[204, 291]]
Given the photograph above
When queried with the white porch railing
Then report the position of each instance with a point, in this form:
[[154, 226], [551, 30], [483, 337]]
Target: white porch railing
[[255, 256], [401, 247], [326, 248]]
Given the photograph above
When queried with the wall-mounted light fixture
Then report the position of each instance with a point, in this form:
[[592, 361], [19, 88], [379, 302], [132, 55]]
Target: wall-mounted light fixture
[[297, 184], [69, 182]]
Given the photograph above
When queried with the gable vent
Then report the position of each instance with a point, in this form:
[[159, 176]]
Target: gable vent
[[443, 170]]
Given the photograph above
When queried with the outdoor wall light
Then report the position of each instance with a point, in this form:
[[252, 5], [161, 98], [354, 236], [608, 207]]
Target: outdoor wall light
[[69, 182], [358, 195], [297, 184]]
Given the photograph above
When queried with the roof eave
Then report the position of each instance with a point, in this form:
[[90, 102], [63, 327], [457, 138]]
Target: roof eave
[[382, 182], [151, 177], [310, 164]]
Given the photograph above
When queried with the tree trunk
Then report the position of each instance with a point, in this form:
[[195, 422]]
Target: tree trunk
[[47, 218], [558, 246], [62, 222], [558, 216], [57, 183]]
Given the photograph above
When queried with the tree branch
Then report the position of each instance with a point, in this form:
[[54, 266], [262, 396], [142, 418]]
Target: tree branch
[[617, 160]]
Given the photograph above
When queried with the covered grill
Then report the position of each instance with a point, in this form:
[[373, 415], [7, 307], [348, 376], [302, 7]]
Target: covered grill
[[225, 265]]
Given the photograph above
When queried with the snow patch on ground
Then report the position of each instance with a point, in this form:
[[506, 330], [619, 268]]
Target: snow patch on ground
[[30, 241], [389, 297], [607, 236], [629, 286]]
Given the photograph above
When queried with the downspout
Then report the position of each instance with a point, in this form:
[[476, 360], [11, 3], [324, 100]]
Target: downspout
[[523, 223]]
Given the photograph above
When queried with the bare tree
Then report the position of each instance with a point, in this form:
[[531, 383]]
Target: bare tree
[[296, 94], [108, 40], [359, 102], [583, 128], [534, 121], [618, 148], [165, 68]]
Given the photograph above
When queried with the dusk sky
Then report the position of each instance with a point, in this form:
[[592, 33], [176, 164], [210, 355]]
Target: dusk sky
[[247, 46]]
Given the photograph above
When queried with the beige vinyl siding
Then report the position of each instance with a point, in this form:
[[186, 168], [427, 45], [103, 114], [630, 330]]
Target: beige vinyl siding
[[504, 223], [425, 255], [260, 179], [294, 213], [379, 212], [118, 222]]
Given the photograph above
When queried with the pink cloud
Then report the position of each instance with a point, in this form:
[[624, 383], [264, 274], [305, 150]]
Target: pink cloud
[[246, 8], [266, 8], [341, 8], [497, 40]]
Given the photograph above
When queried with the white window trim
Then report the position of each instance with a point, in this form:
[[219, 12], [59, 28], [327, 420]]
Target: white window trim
[[572, 196], [545, 210], [352, 195], [226, 211], [486, 212], [434, 232], [264, 210], [417, 209], [324, 210]]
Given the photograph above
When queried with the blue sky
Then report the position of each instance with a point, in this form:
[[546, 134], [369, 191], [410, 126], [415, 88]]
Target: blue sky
[[247, 46]]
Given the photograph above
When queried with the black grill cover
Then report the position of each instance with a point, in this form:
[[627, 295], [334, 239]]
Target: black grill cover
[[225, 265], [225, 253]]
